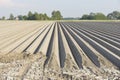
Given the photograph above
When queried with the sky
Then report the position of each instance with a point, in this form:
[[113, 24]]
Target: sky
[[68, 8]]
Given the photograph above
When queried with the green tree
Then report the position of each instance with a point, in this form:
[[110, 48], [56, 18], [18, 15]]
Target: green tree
[[41, 16], [94, 16], [3, 18], [91, 16], [36, 16], [11, 17], [30, 15], [114, 15], [25, 17], [119, 17], [45, 16], [56, 15], [100, 16], [20, 17], [85, 17]]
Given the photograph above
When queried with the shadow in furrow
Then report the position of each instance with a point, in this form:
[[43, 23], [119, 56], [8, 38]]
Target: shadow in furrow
[[105, 35], [73, 48], [101, 33], [25, 40], [33, 41], [113, 43], [87, 51], [49, 50], [106, 54], [37, 49], [62, 53], [117, 52], [95, 33]]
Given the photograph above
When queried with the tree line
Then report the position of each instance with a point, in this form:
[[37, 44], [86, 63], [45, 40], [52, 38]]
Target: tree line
[[56, 15], [115, 15]]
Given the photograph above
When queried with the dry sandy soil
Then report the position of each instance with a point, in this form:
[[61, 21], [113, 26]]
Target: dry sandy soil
[[49, 50]]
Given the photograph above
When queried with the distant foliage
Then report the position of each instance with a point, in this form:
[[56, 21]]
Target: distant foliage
[[11, 17], [3, 18], [20, 17], [56, 15], [115, 15], [94, 16]]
